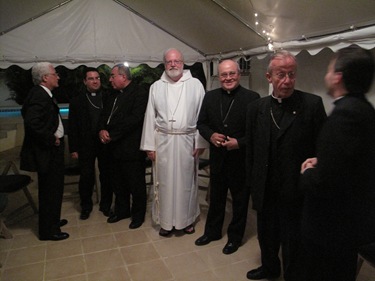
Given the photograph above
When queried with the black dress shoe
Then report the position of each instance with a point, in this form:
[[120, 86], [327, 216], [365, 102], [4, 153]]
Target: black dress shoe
[[135, 224], [260, 273], [116, 218], [230, 248], [85, 214], [63, 222], [55, 237], [204, 240]]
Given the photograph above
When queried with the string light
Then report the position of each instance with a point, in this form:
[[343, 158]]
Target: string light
[[266, 33]]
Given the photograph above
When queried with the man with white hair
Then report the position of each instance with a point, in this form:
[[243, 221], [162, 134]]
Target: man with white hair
[[43, 149], [172, 142]]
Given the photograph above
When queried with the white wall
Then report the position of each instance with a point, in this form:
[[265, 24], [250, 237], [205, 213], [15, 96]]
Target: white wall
[[311, 72]]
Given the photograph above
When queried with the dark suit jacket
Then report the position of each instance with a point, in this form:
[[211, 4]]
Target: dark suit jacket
[[340, 192], [126, 122], [40, 114], [296, 141], [211, 121]]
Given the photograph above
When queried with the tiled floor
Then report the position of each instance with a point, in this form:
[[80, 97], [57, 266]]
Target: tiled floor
[[97, 250]]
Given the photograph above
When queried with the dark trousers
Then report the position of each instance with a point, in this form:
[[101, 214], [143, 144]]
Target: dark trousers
[[327, 263], [106, 185], [50, 193], [87, 159], [129, 180], [279, 226], [231, 179]]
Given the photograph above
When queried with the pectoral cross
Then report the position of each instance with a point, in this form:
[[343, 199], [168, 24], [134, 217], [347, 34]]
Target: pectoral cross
[[172, 121]]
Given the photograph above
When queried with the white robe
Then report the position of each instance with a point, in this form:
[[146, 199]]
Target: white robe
[[170, 129]]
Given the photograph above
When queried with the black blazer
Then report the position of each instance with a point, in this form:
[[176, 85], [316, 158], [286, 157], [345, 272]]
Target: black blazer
[[125, 111], [296, 141], [41, 119], [210, 120], [340, 192]]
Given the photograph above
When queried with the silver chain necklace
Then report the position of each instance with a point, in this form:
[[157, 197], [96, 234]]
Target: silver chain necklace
[[97, 107], [112, 111], [273, 119], [172, 120]]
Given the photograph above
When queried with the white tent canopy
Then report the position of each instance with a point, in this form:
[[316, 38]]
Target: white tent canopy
[[93, 32], [90, 32]]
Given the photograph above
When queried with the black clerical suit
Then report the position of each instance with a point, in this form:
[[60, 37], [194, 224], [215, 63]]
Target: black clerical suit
[[84, 112], [280, 137], [40, 154], [339, 210], [123, 117], [225, 113]]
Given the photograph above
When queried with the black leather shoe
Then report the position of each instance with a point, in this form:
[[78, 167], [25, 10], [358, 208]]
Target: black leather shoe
[[135, 224], [85, 214], [230, 248], [116, 218], [63, 222], [259, 273], [55, 237], [204, 240]]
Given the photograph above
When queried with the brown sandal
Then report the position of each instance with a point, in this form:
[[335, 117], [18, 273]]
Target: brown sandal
[[164, 233], [189, 229]]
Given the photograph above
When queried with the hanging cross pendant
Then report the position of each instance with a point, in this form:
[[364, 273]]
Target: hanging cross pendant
[[172, 121]]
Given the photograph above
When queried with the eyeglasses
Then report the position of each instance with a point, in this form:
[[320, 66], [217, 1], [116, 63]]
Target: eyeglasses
[[282, 75], [177, 62], [93, 78], [53, 74], [230, 74]]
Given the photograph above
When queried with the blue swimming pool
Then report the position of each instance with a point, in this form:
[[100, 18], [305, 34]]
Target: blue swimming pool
[[16, 112]]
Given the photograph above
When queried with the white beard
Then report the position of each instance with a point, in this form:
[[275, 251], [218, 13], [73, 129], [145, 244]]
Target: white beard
[[173, 73]]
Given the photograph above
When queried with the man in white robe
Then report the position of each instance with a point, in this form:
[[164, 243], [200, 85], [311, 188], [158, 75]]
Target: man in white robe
[[173, 143]]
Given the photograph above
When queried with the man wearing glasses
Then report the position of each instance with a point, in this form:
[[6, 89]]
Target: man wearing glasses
[[172, 142], [120, 129], [222, 122], [281, 132]]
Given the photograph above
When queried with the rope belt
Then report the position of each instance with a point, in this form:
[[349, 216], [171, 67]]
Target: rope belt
[[175, 132]]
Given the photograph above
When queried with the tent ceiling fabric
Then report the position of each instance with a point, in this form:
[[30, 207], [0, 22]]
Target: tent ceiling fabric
[[92, 32]]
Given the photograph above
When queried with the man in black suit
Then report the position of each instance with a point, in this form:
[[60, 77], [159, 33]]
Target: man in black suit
[[282, 129], [339, 210], [222, 123], [43, 149], [84, 144], [120, 128]]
